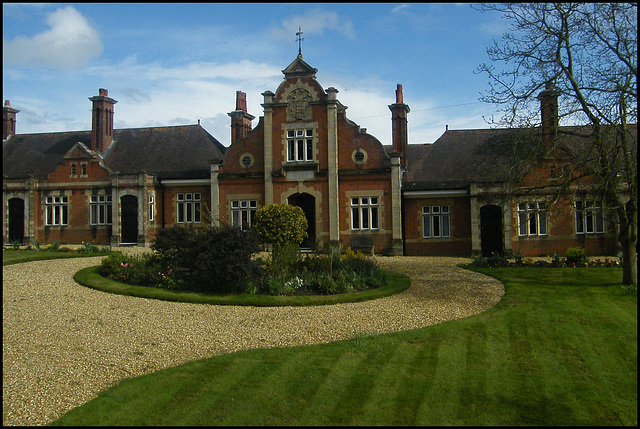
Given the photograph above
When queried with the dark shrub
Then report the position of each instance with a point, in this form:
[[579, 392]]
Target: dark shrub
[[217, 259]]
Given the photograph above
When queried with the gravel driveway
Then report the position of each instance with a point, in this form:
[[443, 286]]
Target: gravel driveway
[[64, 343]]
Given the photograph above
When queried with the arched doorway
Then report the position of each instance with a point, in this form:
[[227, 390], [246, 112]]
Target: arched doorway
[[16, 220], [129, 219], [307, 203], [491, 230]]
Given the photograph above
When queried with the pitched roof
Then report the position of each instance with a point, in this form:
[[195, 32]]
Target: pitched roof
[[459, 157], [183, 152], [38, 155], [456, 158]]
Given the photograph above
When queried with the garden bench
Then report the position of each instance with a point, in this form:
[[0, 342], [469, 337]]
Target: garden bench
[[362, 243]]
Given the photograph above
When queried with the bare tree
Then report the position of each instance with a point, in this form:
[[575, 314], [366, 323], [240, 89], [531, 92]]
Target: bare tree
[[588, 51]]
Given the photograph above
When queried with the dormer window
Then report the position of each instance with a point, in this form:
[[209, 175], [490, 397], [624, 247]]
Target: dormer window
[[300, 145]]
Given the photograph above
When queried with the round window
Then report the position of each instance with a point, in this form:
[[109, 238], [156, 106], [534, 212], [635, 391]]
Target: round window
[[359, 156], [246, 160]]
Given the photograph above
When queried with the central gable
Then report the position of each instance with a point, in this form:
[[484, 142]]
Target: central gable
[[299, 91]]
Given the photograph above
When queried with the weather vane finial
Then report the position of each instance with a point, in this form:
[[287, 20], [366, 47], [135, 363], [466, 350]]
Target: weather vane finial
[[299, 39]]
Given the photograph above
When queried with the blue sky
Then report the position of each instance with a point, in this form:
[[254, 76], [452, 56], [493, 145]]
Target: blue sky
[[172, 64]]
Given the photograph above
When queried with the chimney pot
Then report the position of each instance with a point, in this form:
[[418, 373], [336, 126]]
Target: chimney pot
[[240, 119], [8, 120], [399, 127], [399, 96], [102, 121], [241, 101]]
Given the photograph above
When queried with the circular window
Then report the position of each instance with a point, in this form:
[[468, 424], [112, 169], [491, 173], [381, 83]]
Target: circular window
[[246, 160], [359, 156]]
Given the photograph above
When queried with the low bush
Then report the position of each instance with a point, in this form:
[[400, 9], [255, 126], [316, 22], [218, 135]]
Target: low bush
[[576, 256], [217, 259], [142, 270]]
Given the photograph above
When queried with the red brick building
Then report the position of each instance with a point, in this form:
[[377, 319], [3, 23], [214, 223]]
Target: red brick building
[[448, 198]]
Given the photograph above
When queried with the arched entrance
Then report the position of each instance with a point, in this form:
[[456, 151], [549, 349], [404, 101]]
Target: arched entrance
[[307, 203], [16, 220], [491, 230], [129, 219]]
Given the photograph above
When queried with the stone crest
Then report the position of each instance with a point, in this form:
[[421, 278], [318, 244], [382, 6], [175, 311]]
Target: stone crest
[[299, 101]]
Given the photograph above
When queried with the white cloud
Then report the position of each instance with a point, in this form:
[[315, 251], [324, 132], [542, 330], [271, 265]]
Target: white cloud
[[400, 8], [315, 21], [69, 43]]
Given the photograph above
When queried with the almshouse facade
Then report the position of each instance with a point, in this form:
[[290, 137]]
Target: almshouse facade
[[118, 187]]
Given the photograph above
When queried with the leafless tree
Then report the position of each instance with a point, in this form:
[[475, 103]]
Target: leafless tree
[[589, 52]]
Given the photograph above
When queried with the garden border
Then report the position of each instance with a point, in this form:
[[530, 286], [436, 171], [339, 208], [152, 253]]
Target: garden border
[[90, 277]]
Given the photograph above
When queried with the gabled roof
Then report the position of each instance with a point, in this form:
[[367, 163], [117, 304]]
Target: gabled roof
[[38, 155], [460, 157], [183, 152], [299, 68], [457, 158]]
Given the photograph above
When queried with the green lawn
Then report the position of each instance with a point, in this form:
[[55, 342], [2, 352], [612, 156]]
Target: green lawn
[[11, 256], [559, 349]]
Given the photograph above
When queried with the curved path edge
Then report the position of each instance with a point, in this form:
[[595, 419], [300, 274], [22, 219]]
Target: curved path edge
[[63, 343]]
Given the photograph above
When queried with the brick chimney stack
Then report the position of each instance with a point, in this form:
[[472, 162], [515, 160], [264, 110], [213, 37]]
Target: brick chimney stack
[[8, 120], [549, 111], [240, 119], [399, 128], [102, 121]]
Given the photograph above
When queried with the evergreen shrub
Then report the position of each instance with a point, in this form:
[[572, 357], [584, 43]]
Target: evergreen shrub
[[217, 259]]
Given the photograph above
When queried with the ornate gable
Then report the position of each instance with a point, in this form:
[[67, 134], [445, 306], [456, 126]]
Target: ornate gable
[[299, 68]]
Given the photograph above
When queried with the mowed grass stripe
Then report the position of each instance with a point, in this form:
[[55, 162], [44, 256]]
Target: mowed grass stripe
[[393, 377], [588, 359], [501, 371], [473, 398], [326, 399], [440, 402], [374, 355], [271, 402]]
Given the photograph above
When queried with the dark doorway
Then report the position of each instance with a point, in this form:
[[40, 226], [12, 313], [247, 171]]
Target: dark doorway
[[307, 203], [491, 230], [16, 220], [129, 219]]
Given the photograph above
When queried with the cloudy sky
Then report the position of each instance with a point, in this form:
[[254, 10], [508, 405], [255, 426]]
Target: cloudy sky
[[175, 64]]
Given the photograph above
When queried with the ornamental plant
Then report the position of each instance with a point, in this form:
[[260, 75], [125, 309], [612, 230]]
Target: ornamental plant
[[280, 224], [284, 227]]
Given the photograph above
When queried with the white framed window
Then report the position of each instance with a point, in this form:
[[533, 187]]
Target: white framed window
[[73, 170], [83, 169], [152, 206], [300, 145], [589, 217], [243, 212], [100, 210], [57, 210], [532, 219], [436, 221], [364, 213], [188, 208]]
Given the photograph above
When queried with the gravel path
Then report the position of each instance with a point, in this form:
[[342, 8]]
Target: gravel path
[[64, 343]]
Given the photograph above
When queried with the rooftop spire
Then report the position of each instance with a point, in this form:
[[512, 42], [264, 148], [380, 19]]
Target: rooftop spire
[[299, 39]]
